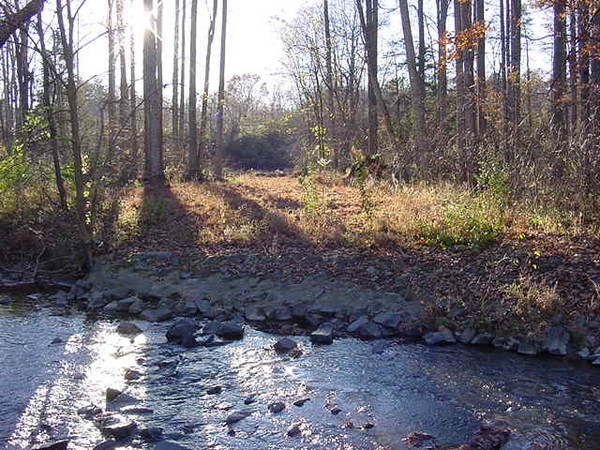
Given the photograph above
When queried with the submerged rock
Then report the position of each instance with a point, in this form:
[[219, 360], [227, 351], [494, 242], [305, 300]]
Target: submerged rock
[[442, 337], [57, 445], [293, 430], [323, 334], [301, 402], [182, 330], [230, 330], [276, 407], [483, 339], [285, 345], [236, 416], [128, 328]]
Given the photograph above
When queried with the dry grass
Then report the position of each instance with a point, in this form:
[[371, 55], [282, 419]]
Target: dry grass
[[326, 212]]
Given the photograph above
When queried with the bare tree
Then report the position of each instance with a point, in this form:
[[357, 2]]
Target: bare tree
[[193, 170], [12, 22], [218, 164], [202, 150]]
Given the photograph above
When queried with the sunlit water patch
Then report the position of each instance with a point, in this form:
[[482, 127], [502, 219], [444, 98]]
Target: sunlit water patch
[[447, 392]]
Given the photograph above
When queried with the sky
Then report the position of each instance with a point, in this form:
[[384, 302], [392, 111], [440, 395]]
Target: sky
[[253, 42]]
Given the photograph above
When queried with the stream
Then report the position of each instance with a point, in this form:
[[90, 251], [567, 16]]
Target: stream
[[447, 392]]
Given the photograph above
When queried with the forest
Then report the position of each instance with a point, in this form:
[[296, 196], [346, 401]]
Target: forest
[[395, 130]]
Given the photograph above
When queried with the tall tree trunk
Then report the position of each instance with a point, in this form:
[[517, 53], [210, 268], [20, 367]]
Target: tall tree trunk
[[23, 74], [481, 78], [218, 166], [416, 85], [181, 120], [559, 77], [330, 116], [50, 117], [514, 71], [202, 146], [469, 75], [133, 102], [442, 88], [372, 20], [123, 94], [193, 169], [573, 72], [503, 62], [175, 98], [12, 22], [595, 65], [460, 84], [421, 27], [153, 173], [112, 100], [67, 41], [583, 13]]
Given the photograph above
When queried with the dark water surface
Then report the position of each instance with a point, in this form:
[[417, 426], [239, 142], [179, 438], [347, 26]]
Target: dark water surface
[[447, 392]]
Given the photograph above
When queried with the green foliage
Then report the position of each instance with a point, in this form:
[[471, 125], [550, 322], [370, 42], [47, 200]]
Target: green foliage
[[492, 176], [156, 210], [311, 198], [361, 169], [472, 222], [13, 171]]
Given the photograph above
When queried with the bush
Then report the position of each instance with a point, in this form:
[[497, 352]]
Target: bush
[[261, 152]]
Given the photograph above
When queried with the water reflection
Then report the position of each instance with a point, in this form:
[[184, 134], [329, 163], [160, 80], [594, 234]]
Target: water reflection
[[447, 392]]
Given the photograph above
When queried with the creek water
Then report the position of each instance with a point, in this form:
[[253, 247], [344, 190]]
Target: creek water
[[445, 391]]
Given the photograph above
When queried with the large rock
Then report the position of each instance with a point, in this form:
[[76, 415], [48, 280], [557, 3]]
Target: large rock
[[482, 339], [370, 330], [285, 345], [442, 337], [528, 347], [557, 340], [323, 334], [355, 325], [388, 319], [236, 416], [112, 308], [157, 315], [230, 330], [120, 431], [123, 305], [137, 306], [281, 314], [118, 293], [128, 328], [57, 445], [182, 331], [466, 336], [254, 314]]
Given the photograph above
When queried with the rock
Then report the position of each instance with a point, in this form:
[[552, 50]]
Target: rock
[[417, 439], [157, 315], [112, 394], [370, 330], [89, 411], [323, 334], [466, 336], [168, 445], [137, 306], [442, 337], [111, 308], [236, 416], [388, 319], [185, 275], [312, 321], [367, 425], [293, 430], [117, 293], [379, 347], [189, 309], [6, 300], [250, 399], [276, 407], [254, 314], [106, 445], [56, 341], [184, 328], [121, 401], [97, 301], [203, 306], [528, 347], [128, 328], [120, 431], [326, 311], [285, 345], [596, 362], [215, 390], [281, 314], [299, 312], [584, 353], [335, 410], [356, 324], [301, 402], [124, 304], [557, 340], [230, 330], [132, 374], [136, 410], [189, 341], [57, 445], [507, 343], [482, 339], [152, 434]]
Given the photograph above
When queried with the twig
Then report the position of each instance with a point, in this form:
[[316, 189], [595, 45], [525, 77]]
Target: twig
[[37, 263]]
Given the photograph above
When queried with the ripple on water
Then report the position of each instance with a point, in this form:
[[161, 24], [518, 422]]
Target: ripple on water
[[446, 392]]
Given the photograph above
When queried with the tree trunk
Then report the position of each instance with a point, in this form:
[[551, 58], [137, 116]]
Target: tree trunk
[[123, 94], [153, 173], [481, 78], [12, 22], [133, 102], [583, 13], [221, 99], [330, 116], [372, 22], [181, 120], [416, 85], [514, 70], [559, 77], [193, 169], [442, 87], [112, 101], [202, 147], [66, 37], [50, 118], [175, 98], [573, 72], [421, 26]]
